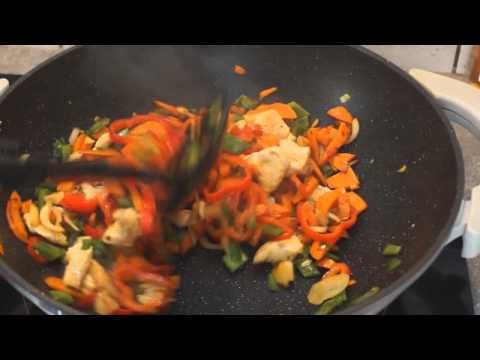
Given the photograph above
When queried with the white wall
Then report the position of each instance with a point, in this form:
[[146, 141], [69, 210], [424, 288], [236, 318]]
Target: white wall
[[18, 59]]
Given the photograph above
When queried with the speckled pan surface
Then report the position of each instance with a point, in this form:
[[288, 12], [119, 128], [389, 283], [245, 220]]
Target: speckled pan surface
[[400, 125]]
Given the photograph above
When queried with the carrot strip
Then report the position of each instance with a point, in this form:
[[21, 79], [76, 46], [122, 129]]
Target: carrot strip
[[318, 250], [79, 142], [341, 162], [240, 70], [267, 92]]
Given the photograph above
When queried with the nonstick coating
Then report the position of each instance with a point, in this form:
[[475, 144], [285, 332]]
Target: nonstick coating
[[400, 124]]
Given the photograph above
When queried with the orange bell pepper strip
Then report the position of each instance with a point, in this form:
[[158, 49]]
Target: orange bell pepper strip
[[341, 137], [347, 180], [341, 162], [357, 202], [327, 201], [14, 217], [328, 238], [341, 113], [229, 186], [2, 249]]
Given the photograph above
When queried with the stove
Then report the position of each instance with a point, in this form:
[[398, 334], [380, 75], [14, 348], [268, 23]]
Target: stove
[[443, 290]]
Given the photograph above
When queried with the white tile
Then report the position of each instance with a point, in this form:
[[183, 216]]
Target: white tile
[[428, 57]]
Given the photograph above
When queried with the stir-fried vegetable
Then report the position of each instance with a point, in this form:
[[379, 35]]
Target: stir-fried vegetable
[[372, 292], [328, 306], [234, 258], [392, 250], [272, 283], [62, 297], [281, 185], [62, 150], [393, 264], [234, 145], [49, 252]]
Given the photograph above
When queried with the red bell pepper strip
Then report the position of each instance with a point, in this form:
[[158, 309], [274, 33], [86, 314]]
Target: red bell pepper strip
[[107, 206], [78, 203], [94, 232], [231, 185], [148, 211], [329, 238], [32, 241]]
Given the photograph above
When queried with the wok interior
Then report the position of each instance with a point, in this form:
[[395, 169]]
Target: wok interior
[[398, 126]]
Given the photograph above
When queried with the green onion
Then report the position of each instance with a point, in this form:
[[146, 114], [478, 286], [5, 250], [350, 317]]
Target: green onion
[[394, 263], [192, 156], [23, 158], [79, 223], [272, 230], [307, 268], [227, 213], [345, 98], [62, 297], [40, 193], [333, 256], [328, 306], [372, 292], [234, 145], [234, 258], [61, 149], [252, 223], [99, 123], [392, 250], [299, 109], [99, 248], [246, 102], [124, 202], [302, 124], [272, 283], [49, 252]]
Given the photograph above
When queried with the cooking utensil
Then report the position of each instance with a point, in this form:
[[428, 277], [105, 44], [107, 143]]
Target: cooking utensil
[[401, 124], [187, 171]]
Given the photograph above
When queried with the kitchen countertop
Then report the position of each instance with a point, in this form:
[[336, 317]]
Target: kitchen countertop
[[471, 155]]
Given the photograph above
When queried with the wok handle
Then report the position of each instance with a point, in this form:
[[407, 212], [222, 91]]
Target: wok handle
[[3, 86], [461, 102]]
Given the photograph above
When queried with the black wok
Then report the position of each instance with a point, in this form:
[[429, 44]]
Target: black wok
[[400, 124]]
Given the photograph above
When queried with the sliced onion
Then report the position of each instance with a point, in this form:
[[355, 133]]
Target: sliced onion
[[74, 135], [45, 219], [355, 131]]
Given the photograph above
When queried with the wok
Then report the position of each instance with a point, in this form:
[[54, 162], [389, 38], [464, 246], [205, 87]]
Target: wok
[[400, 124]]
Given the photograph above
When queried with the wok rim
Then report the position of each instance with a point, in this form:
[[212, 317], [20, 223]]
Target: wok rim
[[368, 307]]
